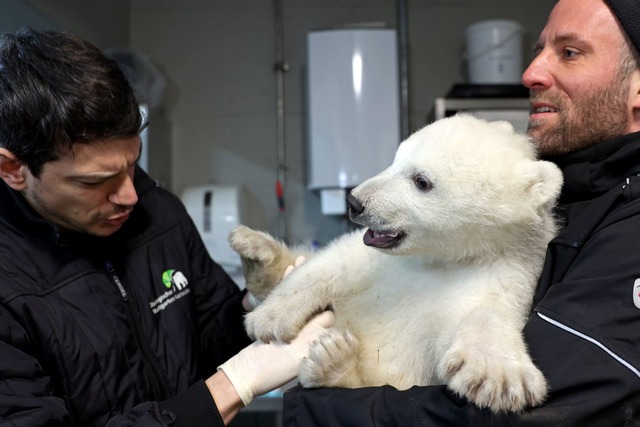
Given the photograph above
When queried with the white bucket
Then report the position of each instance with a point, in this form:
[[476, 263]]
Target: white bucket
[[494, 52]]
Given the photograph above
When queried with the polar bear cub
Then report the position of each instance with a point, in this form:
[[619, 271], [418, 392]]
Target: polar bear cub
[[438, 285]]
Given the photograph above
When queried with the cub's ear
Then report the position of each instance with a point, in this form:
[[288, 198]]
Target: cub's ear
[[11, 170], [544, 182]]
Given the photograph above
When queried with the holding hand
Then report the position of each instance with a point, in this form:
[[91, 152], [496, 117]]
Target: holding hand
[[298, 262], [260, 367]]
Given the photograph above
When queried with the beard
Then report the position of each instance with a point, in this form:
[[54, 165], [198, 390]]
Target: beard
[[593, 118]]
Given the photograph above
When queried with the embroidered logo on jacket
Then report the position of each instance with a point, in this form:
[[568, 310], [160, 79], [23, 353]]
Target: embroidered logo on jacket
[[172, 277], [636, 293], [177, 287]]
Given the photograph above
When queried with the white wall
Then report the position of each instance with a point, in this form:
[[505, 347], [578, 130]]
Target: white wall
[[15, 14], [105, 23]]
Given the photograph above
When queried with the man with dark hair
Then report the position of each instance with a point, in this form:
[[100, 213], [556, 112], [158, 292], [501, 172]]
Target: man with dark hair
[[111, 310], [583, 332]]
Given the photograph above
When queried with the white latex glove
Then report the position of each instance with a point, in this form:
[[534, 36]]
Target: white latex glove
[[254, 302], [297, 263], [260, 367]]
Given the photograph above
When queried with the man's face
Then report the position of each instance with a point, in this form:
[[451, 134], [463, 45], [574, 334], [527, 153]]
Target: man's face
[[578, 95], [89, 189]]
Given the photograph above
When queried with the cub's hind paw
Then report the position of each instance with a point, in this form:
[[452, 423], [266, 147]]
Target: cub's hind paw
[[508, 384], [332, 361]]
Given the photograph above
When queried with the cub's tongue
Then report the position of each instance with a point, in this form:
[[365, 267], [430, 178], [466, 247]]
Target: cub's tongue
[[382, 240]]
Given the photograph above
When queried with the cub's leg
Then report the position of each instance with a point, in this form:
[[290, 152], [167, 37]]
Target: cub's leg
[[329, 276]]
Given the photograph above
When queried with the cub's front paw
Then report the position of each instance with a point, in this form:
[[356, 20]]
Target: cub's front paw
[[496, 381], [332, 361], [264, 259], [271, 323], [254, 245]]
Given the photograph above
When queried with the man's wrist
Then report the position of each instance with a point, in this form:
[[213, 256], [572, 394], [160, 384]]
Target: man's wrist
[[224, 395]]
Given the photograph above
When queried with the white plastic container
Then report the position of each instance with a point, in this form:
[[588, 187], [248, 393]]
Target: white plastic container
[[216, 210], [494, 52]]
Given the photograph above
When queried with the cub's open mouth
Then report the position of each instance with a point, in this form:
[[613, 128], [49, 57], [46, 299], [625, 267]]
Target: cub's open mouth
[[383, 239]]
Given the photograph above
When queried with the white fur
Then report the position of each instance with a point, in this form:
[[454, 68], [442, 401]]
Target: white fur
[[448, 304]]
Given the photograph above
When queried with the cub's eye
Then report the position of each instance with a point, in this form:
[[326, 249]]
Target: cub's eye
[[422, 182]]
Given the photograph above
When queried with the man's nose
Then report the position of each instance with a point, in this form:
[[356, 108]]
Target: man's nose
[[125, 194], [538, 73]]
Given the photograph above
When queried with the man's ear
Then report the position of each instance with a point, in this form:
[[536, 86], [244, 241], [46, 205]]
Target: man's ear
[[11, 170], [635, 101]]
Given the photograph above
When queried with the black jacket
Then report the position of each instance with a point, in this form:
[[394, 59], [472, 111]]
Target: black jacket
[[584, 332], [118, 330]]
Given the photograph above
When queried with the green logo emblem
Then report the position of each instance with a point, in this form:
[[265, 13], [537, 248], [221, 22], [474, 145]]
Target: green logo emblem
[[167, 276]]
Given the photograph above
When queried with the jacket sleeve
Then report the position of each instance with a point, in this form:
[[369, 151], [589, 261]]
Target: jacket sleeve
[[26, 396], [583, 335]]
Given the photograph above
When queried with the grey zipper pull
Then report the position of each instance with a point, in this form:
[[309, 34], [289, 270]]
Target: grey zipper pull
[[116, 279]]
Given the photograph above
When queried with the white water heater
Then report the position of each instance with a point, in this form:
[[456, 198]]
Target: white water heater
[[353, 111]]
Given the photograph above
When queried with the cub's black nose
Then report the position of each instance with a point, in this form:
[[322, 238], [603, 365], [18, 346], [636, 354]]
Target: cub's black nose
[[355, 207]]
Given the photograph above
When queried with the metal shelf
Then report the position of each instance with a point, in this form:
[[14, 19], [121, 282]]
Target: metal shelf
[[444, 105]]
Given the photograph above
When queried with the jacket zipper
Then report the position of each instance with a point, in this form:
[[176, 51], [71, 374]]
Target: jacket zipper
[[138, 334]]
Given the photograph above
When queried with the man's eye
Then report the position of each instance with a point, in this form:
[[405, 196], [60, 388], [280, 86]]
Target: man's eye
[[570, 53], [89, 183]]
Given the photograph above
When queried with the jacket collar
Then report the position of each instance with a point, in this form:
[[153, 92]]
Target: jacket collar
[[595, 170]]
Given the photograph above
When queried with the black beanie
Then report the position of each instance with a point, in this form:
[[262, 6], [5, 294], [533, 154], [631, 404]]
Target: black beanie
[[628, 14]]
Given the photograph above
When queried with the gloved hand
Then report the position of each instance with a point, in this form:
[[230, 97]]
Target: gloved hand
[[297, 263], [261, 367], [254, 301]]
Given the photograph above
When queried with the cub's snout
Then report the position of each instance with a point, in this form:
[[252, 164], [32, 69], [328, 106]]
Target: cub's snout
[[355, 207]]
